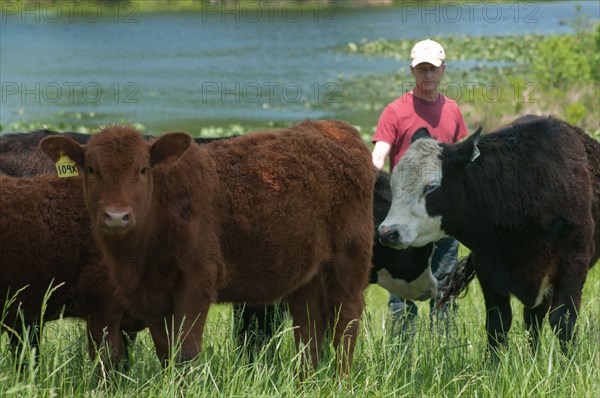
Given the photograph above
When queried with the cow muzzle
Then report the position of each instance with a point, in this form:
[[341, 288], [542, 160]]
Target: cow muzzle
[[116, 221], [391, 236]]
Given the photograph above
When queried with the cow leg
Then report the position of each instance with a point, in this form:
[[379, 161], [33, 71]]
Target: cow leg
[[565, 308], [346, 281], [178, 330], [498, 316], [160, 337], [534, 319], [254, 324], [346, 320], [191, 311], [104, 329], [568, 288], [305, 306]]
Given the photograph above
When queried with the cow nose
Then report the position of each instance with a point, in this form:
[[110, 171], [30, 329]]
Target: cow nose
[[116, 219], [389, 236]]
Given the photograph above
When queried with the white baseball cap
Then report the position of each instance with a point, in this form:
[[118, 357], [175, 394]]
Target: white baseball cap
[[427, 51]]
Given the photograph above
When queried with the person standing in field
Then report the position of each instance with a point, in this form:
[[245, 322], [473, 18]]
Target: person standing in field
[[423, 106]]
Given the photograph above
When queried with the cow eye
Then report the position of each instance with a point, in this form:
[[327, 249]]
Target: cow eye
[[89, 170], [144, 170], [429, 188]]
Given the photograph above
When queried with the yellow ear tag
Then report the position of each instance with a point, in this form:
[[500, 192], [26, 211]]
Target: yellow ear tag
[[65, 167]]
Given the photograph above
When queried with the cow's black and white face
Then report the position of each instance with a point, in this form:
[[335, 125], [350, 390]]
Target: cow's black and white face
[[418, 199], [417, 175]]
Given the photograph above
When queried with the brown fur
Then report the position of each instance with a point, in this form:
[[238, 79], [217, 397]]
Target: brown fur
[[21, 157], [268, 215], [86, 292], [45, 240]]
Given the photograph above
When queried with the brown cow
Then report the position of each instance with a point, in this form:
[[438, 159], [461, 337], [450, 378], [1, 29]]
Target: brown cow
[[46, 241], [268, 215], [36, 254]]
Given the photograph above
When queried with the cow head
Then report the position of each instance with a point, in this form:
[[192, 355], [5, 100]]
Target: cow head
[[416, 182], [117, 170]]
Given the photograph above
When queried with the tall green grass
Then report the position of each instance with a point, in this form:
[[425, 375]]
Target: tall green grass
[[431, 364]]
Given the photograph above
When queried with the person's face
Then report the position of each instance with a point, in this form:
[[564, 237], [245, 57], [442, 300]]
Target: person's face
[[428, 76]]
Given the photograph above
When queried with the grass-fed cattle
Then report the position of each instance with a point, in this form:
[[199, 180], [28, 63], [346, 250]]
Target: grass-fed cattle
[[525, 199], [37, 256], [405, 273], [46, 243], [267, 215]]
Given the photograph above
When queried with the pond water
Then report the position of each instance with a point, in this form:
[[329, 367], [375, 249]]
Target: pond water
[[224, 64]]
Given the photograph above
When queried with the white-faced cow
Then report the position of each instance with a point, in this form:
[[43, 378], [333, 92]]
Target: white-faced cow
[[263, 216], [525, 199]]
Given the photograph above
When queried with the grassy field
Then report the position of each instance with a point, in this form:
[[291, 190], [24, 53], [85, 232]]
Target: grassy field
[[431, 364]]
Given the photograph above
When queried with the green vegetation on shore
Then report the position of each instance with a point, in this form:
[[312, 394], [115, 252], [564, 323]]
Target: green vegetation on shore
[[544, 75], [145, 6], [510, 76]]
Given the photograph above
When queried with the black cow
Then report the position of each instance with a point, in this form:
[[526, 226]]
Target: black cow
[[525, 199]]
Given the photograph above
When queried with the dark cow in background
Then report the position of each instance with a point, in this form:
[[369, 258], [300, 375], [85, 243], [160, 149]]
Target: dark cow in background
[[525, 199], [21, 157], [267, 215]]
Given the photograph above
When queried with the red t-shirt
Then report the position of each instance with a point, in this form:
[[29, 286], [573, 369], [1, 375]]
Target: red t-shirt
[[403, 117]]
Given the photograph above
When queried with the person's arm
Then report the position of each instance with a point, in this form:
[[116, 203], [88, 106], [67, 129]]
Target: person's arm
[[461, 128], [380, 153]]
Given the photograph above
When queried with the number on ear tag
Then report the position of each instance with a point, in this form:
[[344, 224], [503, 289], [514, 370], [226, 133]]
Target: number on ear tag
[[65, 167]]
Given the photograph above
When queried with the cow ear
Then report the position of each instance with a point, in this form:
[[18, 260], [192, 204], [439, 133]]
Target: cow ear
[[467, 150], [54, 146], [169, 147], [420, 134]]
